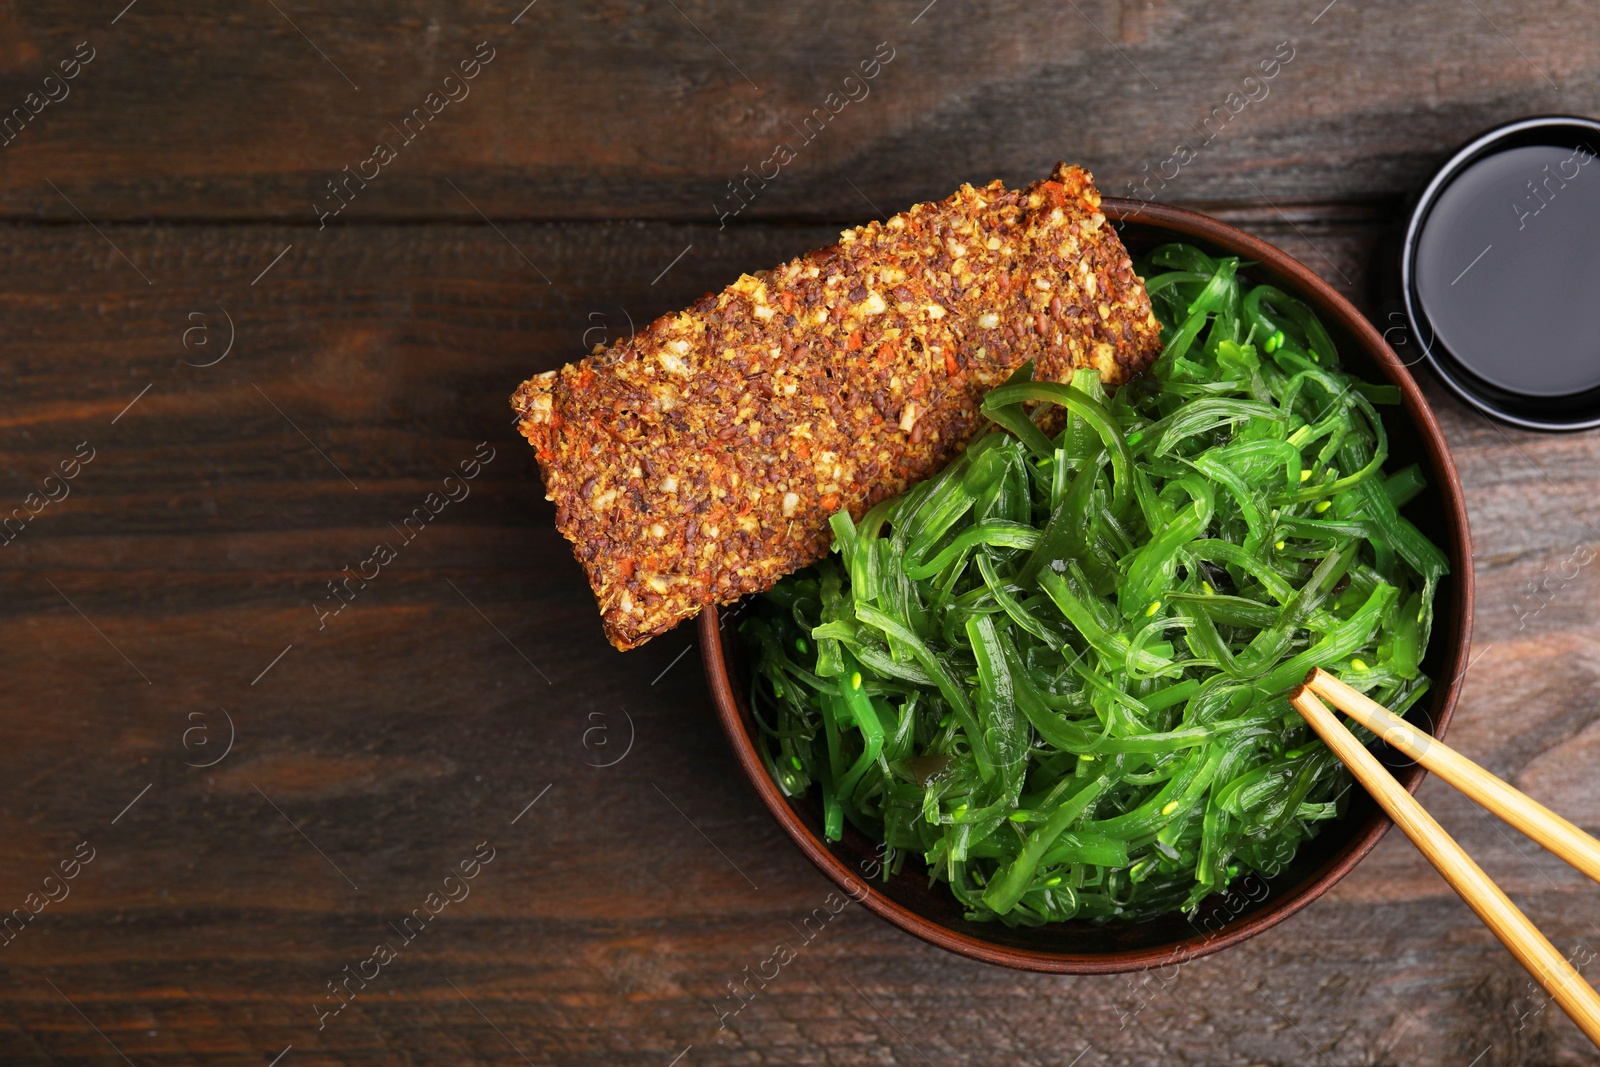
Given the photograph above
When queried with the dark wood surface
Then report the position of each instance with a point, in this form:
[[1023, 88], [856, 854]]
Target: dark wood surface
[[181, 574]]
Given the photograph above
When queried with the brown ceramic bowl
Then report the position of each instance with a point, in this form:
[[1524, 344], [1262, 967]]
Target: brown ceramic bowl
[[1253, 904]]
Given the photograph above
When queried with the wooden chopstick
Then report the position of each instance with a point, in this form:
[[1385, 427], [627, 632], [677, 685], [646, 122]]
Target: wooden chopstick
[[1511, 804], [1531, 948]]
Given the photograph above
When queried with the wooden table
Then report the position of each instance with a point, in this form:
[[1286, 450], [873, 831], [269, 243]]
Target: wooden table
[[268, 389]]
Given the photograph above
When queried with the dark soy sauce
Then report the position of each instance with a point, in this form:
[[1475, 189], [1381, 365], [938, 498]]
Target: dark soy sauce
[[1508, 269]]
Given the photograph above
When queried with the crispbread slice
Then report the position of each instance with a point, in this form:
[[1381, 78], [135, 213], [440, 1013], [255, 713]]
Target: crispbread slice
[[700, 460]]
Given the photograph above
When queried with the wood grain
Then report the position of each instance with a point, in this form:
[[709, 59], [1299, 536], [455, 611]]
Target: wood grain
[[471, 674], [1543, 961], [623, 110], [420, 722]]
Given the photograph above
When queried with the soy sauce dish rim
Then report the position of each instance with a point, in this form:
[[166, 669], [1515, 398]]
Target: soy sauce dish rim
[[1450, 371], [1328, 862]]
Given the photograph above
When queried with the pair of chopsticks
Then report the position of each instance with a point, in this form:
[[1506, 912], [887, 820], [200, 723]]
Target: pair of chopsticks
[[1531, 948]]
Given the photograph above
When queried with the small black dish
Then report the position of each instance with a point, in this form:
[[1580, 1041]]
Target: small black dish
[[1500, 273]]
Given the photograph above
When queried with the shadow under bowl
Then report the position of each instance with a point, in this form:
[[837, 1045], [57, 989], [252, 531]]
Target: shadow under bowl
[[1253, 903]]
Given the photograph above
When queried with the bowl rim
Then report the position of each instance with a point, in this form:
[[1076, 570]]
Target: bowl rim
[[1186, 223]]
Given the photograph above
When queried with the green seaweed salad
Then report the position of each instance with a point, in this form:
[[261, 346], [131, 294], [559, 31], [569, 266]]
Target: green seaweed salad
[[1058, 670]]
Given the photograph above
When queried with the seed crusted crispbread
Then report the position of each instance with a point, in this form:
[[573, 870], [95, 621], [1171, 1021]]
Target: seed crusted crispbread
[[700, 460]]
